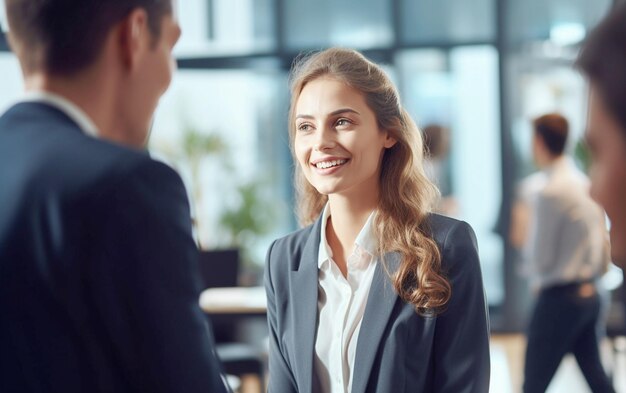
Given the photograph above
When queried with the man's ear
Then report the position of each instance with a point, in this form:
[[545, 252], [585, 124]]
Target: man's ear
[[134, 38]]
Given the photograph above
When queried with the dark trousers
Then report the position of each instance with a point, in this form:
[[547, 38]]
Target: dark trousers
[[564, 321]]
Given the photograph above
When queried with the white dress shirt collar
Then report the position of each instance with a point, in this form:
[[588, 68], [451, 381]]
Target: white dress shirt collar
[[559, 164], [341, 305], [66, 106], [365, 240]]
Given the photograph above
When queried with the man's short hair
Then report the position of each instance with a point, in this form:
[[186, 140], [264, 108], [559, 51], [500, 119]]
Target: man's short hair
[[64, 36], [603, 59], [553, 129]]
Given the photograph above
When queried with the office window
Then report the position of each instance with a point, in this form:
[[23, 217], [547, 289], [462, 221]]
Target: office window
[[545, 37], [4, 26], [458, 89], [236, 120], [428, 21], [12, 85], [541, 89], [225, 27], [562, 21], [354, 23]]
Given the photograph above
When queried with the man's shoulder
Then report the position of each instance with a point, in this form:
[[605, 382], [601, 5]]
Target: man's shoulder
[[51, 151], [569, 184], [33, 114], [130, 175]]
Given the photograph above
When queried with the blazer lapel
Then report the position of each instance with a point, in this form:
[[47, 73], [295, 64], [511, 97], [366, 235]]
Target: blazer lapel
[[380, 303], [304, 289]]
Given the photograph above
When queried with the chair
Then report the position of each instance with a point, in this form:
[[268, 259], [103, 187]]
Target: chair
[[242, 359], [220, 268]]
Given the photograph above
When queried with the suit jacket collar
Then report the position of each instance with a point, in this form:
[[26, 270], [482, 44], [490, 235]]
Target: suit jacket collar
[[305, 279], [40, 112], [380, 304], [70, 109]]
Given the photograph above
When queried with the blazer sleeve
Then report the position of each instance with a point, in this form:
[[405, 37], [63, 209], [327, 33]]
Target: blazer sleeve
[[461, 352], [160, 334], [281, 378]]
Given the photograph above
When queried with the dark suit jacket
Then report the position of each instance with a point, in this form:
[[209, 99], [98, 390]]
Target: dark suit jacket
[[98, 268], [397, 349]]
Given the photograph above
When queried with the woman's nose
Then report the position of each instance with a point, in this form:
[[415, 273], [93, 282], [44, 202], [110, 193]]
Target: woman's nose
[[324, 139]]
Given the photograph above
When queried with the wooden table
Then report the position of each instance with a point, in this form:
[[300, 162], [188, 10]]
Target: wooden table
[[234, 301]]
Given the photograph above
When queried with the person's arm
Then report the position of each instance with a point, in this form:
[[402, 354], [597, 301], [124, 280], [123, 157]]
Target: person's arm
[[520, 217], [461, 350], [151, 286], [281, 378]]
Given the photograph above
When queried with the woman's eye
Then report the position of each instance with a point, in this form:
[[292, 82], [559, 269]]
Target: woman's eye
[[343, 122], [304, 127]]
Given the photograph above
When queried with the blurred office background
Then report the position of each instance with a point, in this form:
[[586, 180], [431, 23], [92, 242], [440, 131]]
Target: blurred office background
[[481, 68]]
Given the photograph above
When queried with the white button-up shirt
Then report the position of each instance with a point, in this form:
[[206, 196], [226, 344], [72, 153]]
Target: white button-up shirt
[[567, 240], [340, 306]]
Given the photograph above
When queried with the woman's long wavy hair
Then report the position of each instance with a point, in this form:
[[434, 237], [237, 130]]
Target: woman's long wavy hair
[[406, 197]]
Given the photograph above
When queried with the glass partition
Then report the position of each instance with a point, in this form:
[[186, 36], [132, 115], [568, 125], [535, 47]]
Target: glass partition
[[226, 28], [224, 130], [445, 21], [458, 89], [354, 23]]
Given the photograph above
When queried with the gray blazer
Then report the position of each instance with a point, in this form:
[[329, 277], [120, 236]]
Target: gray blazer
[[397, 349]]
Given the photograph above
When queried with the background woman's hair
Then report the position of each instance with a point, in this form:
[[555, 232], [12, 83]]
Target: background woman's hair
[[406, 194], [436, 141]]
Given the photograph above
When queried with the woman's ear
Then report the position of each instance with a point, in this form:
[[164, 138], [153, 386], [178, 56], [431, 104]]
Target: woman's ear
[[389, 140]]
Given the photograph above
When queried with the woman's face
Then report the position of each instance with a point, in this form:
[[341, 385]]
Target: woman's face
[[337, 141]]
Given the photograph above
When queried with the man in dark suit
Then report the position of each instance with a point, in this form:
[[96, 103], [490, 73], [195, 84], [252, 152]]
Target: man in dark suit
[[603, 60], [98, 270]]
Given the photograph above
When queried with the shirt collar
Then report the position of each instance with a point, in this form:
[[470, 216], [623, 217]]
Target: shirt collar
[[365, 240], [66, 106], [559, 163]]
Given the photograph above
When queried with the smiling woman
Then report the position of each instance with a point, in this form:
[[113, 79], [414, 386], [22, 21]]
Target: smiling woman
[[372, 294], [337, 143]]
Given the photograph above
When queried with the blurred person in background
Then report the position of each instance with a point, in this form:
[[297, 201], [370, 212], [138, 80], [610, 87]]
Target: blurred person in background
[[98, 269], [603, 60], [376, 293], [436, 153], [566, 249]]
